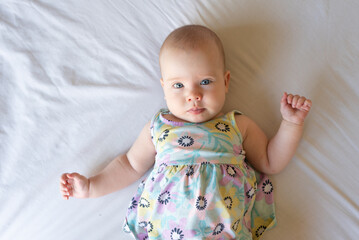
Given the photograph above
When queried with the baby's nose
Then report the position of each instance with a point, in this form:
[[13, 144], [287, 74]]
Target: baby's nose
[[194, 96]]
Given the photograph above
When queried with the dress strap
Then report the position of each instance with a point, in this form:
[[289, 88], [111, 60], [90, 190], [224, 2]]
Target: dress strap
[[232, 118], [156, 124]]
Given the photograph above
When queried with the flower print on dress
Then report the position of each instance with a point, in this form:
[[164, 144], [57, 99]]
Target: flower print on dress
[[231, 171], [237, 226], [177, 234], [201, 203], [144, 203], [249, 192], [230, 199], [231, 174], [181, 162], [205, 163], [155, 181], [142, 184], [260, 226], [203, 229], [238, 150], [161, 167], [265, 189], [230, 206], [228, 202], [142, 236], [189, 171], [133, 204], [147, 225], [177, 230], [151, 131], [164, 135], [186, 141], [167, 200], [260, 230], [164, 197], [218, 229], [222, 127], [142, 224]]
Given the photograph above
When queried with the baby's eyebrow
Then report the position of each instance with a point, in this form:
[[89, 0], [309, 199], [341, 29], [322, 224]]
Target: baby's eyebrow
[[182, 79], [174, 79]]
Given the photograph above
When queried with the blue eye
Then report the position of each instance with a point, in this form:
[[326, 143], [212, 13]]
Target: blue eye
[[178, 85], [205, 82]]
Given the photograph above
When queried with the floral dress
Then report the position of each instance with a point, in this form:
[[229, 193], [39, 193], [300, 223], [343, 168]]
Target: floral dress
[[201, 186]]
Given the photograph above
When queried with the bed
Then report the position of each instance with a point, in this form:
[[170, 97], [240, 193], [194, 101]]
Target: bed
[[79, 79]]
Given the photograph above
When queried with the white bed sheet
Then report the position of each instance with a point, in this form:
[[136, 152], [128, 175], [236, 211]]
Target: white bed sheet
[[79, 79]]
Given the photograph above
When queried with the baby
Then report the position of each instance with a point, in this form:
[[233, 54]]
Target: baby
[[209, 168]]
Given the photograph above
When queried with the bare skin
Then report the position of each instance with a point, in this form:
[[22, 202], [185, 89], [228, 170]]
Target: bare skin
[[195, 85]]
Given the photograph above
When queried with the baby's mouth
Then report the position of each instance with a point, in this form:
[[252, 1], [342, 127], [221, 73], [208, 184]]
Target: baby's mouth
[[196, 110]]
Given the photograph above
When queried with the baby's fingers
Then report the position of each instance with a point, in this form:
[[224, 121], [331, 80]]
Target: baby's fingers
[[307, 104], [64, 178], [65, 186], [65, 194], [297, 101], [289, 98], [292, 99], [300, 102]]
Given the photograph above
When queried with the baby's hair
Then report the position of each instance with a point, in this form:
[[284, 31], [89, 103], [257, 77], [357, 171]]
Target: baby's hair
[[193, 36]]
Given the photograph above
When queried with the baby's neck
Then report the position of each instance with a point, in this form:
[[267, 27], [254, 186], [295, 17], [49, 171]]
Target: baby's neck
[[173, 118]]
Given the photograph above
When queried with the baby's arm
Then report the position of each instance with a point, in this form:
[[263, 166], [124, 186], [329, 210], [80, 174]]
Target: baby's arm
[[272, 156], [121, 172]]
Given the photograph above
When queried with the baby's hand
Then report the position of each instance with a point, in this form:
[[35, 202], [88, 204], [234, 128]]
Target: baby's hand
[[74, 185], [294, 109]]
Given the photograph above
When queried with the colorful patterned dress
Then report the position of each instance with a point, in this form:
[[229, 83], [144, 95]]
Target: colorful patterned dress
[[201, 187]]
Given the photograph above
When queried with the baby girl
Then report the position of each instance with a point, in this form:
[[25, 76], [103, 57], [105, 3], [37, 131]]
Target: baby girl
[[209, 168]]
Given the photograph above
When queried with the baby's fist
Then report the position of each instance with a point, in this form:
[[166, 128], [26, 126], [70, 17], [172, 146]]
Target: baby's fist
[[74, 185], [295, 108]]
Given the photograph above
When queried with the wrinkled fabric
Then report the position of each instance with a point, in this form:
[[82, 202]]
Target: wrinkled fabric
[[201, 186]]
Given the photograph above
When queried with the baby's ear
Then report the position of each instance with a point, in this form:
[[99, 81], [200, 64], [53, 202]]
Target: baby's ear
[[227, 77]]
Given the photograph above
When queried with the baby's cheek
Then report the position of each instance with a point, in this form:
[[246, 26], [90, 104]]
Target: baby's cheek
[[217, 100]]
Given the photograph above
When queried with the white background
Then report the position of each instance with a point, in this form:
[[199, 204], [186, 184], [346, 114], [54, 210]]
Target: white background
[[79, 79]]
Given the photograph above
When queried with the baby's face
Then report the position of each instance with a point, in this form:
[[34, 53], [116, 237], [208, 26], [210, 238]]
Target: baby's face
[[194, 82]]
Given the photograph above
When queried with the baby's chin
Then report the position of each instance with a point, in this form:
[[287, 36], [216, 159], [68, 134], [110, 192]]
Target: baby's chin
[[186, 115], [205, 116]]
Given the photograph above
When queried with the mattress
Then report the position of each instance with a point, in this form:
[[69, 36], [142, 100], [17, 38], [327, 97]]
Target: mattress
[[79, 79]]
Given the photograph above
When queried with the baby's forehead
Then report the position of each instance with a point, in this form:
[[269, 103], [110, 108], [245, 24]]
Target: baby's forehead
[[190, 45], [207, 47]]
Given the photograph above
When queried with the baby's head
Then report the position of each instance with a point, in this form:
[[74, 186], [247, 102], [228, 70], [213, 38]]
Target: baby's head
[[194, 77]]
